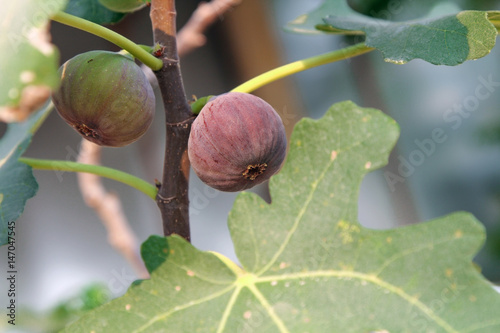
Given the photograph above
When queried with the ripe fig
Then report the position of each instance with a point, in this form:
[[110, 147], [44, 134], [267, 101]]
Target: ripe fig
[[236, 142], [123, 6], [106, 97]]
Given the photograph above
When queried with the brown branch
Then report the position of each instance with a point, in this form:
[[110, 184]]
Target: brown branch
[[172, 198], [108, 207], [191, 36]]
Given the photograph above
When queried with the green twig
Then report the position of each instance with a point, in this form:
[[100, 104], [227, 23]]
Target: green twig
[[136, 50], [120, 176], [302, 65]]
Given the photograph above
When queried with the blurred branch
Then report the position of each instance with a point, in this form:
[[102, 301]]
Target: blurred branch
[[108, 207], [191, 36]]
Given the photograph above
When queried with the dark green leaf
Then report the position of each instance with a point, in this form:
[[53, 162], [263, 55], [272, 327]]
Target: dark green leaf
[[17, 182], [93, 11], [307, 264], [441, 39], [28, 62]]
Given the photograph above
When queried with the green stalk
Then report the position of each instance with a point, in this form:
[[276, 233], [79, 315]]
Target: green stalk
[[302, 65], [137, 51], [120, 176]]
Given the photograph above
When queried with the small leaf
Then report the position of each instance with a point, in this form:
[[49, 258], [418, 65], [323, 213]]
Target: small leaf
[[307, 264], [18, 183], [93, 11], [439, 39], [28, 61]]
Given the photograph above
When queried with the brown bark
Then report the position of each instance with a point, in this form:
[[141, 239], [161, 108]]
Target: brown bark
[[172, 197]]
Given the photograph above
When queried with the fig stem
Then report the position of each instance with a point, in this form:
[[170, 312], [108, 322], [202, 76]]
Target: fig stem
[[302, 65], [120, 176], [136, 50]]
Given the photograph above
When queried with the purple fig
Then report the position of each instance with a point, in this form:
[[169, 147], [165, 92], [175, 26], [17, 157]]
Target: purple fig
[[106, 97], [236, 142]]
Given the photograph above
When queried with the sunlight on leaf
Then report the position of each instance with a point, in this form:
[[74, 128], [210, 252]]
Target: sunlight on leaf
[[28, 61]]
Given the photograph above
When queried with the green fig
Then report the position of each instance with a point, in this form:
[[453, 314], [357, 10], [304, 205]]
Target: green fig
[[105, 97], [236, 142], [123, 6]]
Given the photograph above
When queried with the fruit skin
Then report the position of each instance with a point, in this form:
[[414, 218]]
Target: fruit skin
[[106, 97], [236, 142], [123, 6]]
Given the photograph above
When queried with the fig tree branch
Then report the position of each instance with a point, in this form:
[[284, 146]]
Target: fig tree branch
[[191, 36], [108, 207], [172, 197]]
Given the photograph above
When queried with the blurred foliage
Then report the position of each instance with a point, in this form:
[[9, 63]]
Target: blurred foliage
[[55, 319]]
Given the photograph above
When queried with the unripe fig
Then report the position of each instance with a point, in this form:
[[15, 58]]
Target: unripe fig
[[236, 142], [123, 6], [106, 97]]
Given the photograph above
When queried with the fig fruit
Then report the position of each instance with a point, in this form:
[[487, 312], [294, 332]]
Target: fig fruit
[[236, 142], [123, 6], [105, 97]]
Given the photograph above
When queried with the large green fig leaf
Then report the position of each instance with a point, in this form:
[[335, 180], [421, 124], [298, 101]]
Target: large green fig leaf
[[17, 183], [307, 265], [93, 11], [441, 39], [28, 61]]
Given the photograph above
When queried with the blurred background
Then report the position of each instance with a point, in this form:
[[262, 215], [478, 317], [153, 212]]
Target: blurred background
[[65, 261]]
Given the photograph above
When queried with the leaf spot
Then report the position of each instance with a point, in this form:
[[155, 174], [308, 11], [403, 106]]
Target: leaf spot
[[388, 240], [27, 76], [368, 165], [302, 282], [346, 231], [394, 61], [128, 307], [283, 265], [333, 156], [247, 314], [177, 288], [190, 273], [472, 298], [458, 233], [449, 272], [274, 283], [1, 198], [287, 284]]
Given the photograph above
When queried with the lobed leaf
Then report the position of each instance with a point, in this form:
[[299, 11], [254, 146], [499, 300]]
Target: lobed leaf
[[307, 265], [441, 39], [28, 61]]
